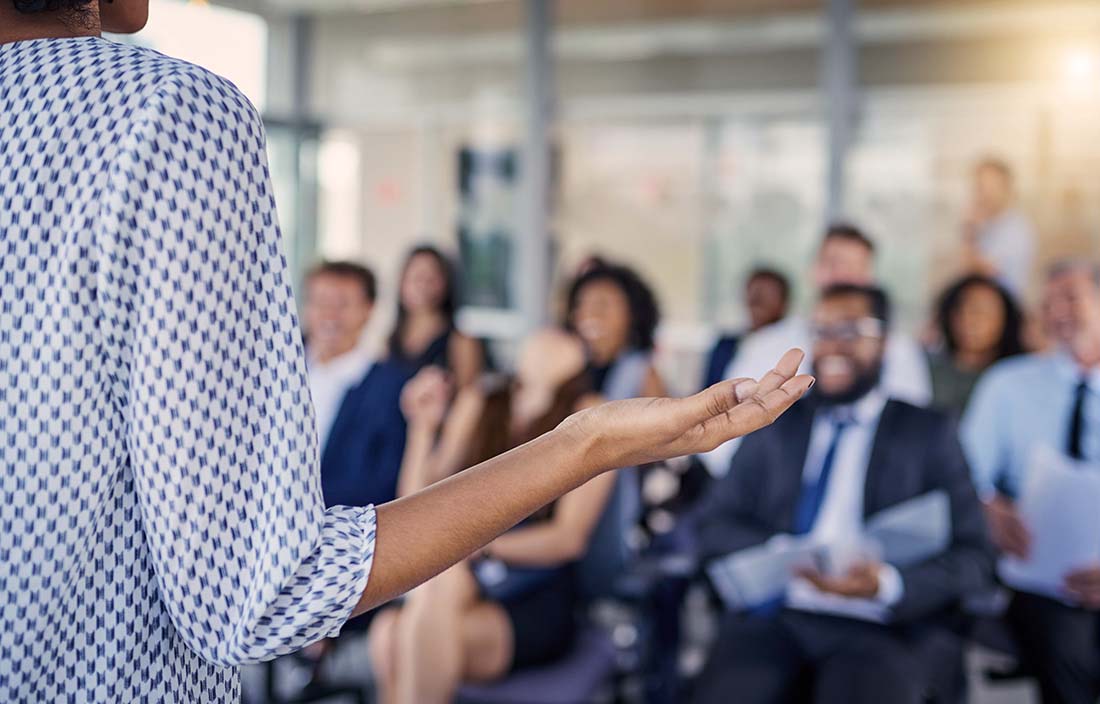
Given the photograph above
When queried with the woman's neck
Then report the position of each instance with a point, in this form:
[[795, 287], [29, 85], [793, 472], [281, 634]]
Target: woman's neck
[[974, 360], [17, 26]]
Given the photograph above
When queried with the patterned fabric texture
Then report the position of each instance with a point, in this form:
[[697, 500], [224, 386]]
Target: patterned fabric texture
[[161, 519]]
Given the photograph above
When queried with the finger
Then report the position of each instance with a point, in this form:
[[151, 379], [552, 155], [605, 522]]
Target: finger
[[714, 401], [784, 370], [763, 408], [748, 416]]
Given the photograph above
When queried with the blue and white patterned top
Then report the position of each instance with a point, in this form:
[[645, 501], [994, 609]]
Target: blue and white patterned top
[[161, 519]]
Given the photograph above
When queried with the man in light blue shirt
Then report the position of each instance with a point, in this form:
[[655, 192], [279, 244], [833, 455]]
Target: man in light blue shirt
[[1053, 401]]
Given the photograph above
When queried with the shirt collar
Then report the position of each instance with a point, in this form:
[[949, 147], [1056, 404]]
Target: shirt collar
[[865, 411], [350, 364], [1068, 368]]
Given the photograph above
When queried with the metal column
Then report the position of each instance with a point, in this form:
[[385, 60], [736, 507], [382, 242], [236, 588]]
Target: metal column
[[839, 95], [533, 252]]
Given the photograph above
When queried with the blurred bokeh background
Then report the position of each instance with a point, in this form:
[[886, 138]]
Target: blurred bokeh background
[[692, 139]]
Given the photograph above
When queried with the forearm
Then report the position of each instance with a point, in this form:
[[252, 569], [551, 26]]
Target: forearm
[[544, 545], [421, 535], [416, 461]]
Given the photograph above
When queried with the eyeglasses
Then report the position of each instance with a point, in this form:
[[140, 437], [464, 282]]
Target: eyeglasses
[[850, 330]]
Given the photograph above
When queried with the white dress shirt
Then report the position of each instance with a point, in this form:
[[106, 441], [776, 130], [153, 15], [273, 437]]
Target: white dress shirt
[[905, 373], [1008, 243], [329, 383], [840, 520]]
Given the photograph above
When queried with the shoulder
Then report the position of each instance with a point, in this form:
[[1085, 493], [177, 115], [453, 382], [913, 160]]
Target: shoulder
[[387, 376], [168, 91], [928, 420], [1018, 372]]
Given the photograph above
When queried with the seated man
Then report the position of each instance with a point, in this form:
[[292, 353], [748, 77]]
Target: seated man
[[357, 399], [1047, 400], [876, 633], [767, 296], [846, 256]]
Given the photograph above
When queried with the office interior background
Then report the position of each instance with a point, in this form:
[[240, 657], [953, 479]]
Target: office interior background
[[691, 139]]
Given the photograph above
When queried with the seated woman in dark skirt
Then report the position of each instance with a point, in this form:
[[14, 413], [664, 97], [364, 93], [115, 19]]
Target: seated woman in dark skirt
[[514, 604]]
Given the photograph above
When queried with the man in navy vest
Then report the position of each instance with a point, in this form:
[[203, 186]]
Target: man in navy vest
[[356, 397]]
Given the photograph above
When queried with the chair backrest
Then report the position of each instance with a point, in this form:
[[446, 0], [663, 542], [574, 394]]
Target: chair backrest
[[609, 550]]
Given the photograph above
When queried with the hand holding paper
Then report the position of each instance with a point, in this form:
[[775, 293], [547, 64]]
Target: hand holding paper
[[1059, 503], [861, 581]]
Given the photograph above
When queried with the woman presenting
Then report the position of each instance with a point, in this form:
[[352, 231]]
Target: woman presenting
[[161, 518]]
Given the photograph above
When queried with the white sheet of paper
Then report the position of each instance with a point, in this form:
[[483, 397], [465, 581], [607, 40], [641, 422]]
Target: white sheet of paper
[[911, 532], [1060, 504], [754, 576]]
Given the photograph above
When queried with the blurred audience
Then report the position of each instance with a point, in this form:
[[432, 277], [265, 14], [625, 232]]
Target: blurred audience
[[869, 632], [1046, 400], [616, 314], [980, 324], [425, 332], [846, 256], [355, 396], [998, 239], [767, 297], [515, 604]]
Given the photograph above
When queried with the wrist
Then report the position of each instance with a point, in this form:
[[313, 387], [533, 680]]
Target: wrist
[[581, 433]]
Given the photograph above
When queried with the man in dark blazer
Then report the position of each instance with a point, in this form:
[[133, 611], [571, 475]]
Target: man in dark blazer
[[874, 632], [357, 398]]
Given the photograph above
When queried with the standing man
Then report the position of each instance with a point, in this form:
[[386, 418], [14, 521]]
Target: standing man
[[998, 239]]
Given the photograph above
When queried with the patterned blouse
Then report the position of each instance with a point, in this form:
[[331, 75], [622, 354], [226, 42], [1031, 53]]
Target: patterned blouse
[[161, 519]]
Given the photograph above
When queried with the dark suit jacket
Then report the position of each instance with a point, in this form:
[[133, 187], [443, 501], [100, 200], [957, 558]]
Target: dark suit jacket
[[362, 456], [915, 451]]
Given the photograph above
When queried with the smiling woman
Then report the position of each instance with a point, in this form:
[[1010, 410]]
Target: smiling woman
[[162, 516]]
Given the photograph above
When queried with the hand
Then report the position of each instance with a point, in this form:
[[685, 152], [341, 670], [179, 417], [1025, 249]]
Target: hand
[[425, 398], [639, 431], [860, 582], [1007, 528], [1084, 586]]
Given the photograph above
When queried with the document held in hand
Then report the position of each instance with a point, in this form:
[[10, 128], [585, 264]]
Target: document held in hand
[[905, 534], [1060, 505]]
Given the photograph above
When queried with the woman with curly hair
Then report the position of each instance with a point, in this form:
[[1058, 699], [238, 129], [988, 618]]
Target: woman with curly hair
[[160, 507]]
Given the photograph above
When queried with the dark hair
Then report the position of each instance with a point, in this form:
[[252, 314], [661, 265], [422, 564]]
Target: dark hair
[[348, 270], [493, 434], [875, 297], [29, 6], [774, 276], [849, 233], [1011, 341], [644, 311], [447, 305]]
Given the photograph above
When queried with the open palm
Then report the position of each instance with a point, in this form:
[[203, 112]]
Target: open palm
[[637, 431]]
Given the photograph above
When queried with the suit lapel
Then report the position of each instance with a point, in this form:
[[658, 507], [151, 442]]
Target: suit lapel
[[345, 417], [881, 458], [793, 451]]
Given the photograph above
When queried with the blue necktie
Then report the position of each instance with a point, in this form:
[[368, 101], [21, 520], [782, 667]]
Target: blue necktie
[[813, 492]]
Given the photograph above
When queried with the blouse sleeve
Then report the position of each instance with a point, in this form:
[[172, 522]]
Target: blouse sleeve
[[198, 321]]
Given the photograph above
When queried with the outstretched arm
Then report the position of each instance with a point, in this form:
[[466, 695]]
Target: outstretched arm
[[421, 535]]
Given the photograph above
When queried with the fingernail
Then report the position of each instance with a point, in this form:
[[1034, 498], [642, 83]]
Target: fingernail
[[813, 381], [745, 389]]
